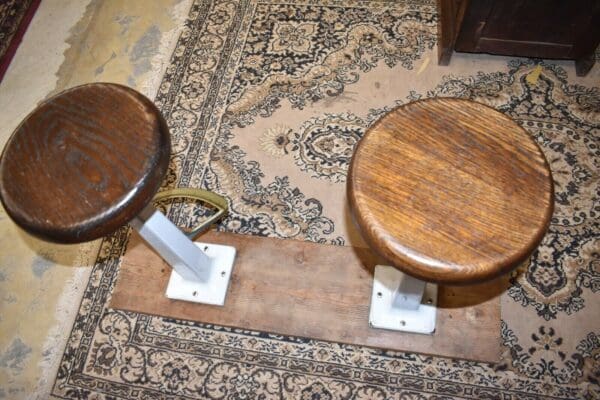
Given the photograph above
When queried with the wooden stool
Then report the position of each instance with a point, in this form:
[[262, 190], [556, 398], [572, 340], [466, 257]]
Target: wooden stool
[[449, 191], [89, 161]]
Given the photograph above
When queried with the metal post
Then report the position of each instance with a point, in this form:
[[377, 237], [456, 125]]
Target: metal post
[[172, 244], [401, 302], [201, 271], [409, 293]]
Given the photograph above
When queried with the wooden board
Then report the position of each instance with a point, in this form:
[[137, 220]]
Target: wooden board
[[316, 291]]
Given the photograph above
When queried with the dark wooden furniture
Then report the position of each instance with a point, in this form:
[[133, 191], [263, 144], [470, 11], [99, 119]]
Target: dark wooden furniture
[[450, 191], [84, 163], [530, 28]]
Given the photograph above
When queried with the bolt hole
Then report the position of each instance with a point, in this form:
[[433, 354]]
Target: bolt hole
[[379, 294], [195, 293], [402, 323], [223, 273], [205, 248]]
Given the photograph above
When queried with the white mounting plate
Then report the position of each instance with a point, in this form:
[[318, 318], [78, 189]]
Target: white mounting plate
[[214, 290], [383, 315]]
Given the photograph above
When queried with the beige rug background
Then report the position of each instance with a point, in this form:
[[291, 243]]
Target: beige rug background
[[265, 101]]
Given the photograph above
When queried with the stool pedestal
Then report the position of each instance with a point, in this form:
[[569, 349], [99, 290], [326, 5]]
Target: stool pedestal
[[201, 271], [401, 302]]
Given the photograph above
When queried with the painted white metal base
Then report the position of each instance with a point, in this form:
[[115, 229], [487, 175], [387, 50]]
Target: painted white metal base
[[393, 304], [201, 271], [214, 289]]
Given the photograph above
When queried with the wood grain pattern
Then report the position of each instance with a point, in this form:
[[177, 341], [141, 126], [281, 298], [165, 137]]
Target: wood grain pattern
[[312, 290], [84, 163], [450, 191]]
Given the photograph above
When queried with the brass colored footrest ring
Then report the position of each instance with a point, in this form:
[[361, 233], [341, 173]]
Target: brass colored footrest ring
[[219, 202]]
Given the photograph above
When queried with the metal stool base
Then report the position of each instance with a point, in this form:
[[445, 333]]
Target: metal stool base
[[213, 290], [391, 308]]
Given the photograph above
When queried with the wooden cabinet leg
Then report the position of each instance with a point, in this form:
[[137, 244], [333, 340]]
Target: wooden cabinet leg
[[444, 55], [446, 30], [584, 64]]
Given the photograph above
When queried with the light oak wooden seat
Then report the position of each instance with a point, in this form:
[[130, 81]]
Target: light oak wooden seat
[[84, 163], [450, 191]]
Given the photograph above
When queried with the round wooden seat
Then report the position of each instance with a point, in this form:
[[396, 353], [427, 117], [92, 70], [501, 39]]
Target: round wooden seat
[[84, 163], [450, 191]]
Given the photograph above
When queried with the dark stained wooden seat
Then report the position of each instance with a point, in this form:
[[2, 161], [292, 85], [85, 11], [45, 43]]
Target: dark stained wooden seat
[[450, 191], [84, 163]]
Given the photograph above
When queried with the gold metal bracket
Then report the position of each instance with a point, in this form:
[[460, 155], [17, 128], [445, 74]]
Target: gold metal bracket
[[218, 202]]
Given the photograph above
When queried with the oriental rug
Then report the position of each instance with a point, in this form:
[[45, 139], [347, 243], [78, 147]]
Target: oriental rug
[[15, 16], [266, 100]]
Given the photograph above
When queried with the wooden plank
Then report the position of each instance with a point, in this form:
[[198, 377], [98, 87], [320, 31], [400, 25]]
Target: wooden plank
[[315, 291]]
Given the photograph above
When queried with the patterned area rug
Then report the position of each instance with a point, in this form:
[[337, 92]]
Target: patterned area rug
[[266, 101], [15, 15]]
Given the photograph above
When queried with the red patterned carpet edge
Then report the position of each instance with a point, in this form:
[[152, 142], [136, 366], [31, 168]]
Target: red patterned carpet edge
[[21, 22]]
